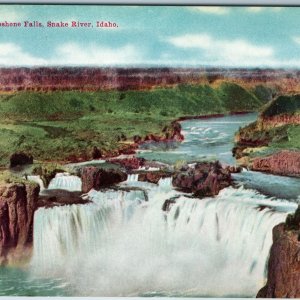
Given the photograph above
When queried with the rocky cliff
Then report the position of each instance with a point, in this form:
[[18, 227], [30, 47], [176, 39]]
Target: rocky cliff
[[281, 163], [205, 179], [284, 262], [96, 178], [89, 79], [18, 202], [277, 121], [271, 144]]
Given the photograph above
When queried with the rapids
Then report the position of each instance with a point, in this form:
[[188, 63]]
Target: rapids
[[65, 181]]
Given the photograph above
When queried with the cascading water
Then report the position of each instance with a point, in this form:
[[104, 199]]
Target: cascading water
[[77, 228], [122, 245], [65, 181], [125, 244], [38, 180], [132, 177]]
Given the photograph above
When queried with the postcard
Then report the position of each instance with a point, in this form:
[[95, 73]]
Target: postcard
[[149, 151]]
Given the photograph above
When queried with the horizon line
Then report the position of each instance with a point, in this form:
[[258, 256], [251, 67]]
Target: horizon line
[[150, 67]]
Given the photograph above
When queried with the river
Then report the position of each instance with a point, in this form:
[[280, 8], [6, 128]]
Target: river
[[124, 244]]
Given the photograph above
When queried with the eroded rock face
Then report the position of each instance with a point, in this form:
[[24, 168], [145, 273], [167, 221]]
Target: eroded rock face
[[51, 198], [284, 265], [20, 159], [89, 79], [96, 178], [173, 132], [131, 163], [278, 120], [153, 177], [206, 179], [282, 163], [96, 153], [17, 205]]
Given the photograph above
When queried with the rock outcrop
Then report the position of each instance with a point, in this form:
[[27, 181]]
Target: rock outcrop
[[96, 153], [169, 133], [153, 176], [18, 202], [51, 198], [205, 179], [96, 178], [129, 164], [284, 262], [277, 121], [285, 163], [20, 159], [47, 173]]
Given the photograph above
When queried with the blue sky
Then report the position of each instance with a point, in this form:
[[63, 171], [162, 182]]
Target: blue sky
[[153, 35]]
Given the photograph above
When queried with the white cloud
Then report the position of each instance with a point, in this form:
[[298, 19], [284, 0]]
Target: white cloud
[[296, 39], [221, 10], [225, 52], [13, 55], [71, 54], [203, 41], [11, 15], [75, 54], [215, 10]]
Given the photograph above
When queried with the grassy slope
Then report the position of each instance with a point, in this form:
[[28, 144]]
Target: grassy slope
[[283, 105], [57, 125], [278, 138]]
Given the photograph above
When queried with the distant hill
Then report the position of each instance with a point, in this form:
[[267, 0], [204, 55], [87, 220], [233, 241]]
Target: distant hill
[[94, 79], [289, 105], [172, 102]]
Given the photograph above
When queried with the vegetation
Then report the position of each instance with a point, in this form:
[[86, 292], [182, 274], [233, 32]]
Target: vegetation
[[283, 105], [63, 125], [264, 93], [275, 136], [236, 98], [291, 139], [8, 177], [47, 171]]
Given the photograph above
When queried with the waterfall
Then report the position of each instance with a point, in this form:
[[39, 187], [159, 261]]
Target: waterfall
[[165, 182], [65, 181], [148, 169], [121, 245], [38, 180], [132, 177], [75, 229]]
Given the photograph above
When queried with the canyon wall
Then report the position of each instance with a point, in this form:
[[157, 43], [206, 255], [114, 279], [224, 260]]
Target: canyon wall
[[284, 265], [285, 162], [18, 202], [277, 121], [76, 78]]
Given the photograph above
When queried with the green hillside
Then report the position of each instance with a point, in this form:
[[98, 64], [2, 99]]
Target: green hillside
[[63, 124], [283, 105], [273, 137]]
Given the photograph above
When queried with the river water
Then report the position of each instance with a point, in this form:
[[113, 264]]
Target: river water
[[203, 139], [124, 244]]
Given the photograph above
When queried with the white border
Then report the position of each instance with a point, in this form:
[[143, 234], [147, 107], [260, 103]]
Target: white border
[[147, 2]]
